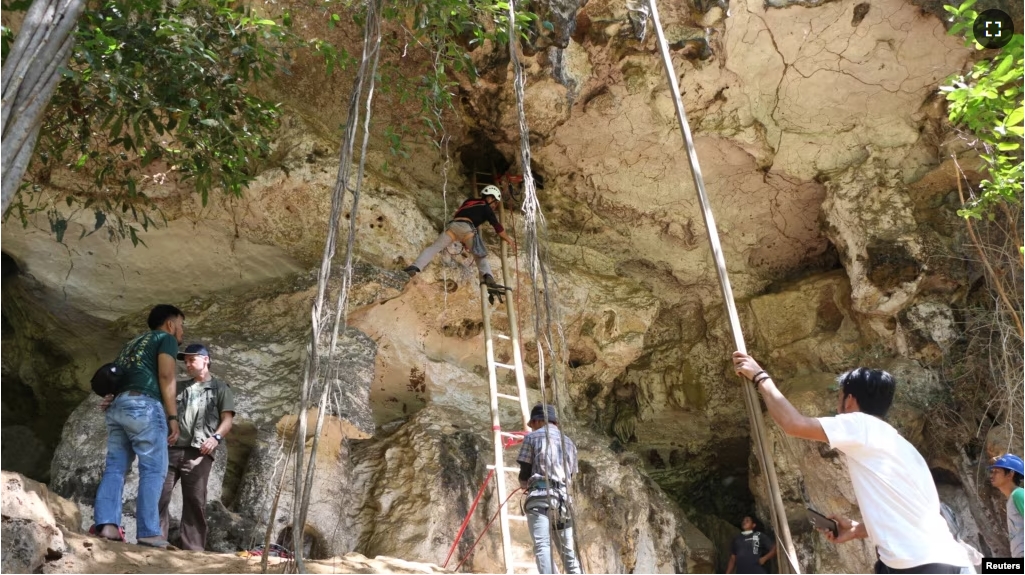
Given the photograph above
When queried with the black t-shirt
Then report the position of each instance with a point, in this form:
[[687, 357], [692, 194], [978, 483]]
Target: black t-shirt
[[478, 211], [748, 549]]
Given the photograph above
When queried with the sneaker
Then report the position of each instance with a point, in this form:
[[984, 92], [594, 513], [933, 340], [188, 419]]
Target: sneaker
[[490, 281], [412, 270]]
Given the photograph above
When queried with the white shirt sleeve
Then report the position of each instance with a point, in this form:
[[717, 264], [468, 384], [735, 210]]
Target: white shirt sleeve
[[846, 432]]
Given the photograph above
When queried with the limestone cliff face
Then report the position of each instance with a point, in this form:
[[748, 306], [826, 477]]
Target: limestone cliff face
[[821, 143]]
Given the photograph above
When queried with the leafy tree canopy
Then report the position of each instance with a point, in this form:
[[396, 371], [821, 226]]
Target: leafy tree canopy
[[161, 91], [987, 103]]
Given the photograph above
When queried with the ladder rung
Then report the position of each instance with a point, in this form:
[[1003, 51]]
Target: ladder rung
[[507, 396], [507, 469], [518, 518], [502, 336], [505, 365], [511, 434]]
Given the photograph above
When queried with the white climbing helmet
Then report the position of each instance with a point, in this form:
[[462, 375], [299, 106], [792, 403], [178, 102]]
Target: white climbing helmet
[[492, 191]]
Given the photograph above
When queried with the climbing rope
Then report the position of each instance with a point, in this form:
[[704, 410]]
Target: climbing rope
[[507, 442], [444, 200], [466, 520], [763, 447], [442, 145], [486, 527]]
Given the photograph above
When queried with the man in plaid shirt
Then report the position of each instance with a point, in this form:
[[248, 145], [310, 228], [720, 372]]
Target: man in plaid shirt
[[545, 475]]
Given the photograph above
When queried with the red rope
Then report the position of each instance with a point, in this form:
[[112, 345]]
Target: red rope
[[507, 442], [466, 521], [510, 441], [486, 527]]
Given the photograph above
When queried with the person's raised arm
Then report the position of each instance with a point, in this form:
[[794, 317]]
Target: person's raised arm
[[168, 392], [782, 411]]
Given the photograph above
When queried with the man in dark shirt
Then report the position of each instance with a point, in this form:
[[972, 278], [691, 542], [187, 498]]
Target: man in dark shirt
[[750, 550], [138, 418], [206, 409], [463, 228]]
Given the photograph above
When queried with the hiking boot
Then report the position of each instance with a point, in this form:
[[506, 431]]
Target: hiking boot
[[490, 281], [412, 270]]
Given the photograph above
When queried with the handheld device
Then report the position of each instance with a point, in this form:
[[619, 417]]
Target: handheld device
[[820, 521]]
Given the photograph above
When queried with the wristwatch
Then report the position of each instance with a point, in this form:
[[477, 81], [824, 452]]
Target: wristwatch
[[171, 418], [218, 437]]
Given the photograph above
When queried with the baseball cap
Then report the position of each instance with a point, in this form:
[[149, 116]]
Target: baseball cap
[[193, 349]]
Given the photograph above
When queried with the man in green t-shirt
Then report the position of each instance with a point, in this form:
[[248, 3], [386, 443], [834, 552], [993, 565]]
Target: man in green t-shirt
[[1006, 475], [206, 408], [141, 422]]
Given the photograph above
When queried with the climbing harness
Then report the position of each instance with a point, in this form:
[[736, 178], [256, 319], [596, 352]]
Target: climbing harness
[[763, 446]]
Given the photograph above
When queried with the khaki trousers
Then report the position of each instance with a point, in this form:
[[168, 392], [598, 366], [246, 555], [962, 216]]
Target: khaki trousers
[[193, 469]]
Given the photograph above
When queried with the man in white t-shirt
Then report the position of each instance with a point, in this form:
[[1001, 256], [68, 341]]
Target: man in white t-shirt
[[894, 488]]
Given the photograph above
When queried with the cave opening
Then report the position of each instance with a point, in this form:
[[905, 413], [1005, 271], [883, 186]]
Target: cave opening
[[240, 447], [8, 266], [314, 545], [482, 163], [824, 261]]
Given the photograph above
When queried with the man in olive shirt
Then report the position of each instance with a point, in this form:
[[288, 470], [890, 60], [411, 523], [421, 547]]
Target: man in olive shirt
[[206, 408], [141, 422]]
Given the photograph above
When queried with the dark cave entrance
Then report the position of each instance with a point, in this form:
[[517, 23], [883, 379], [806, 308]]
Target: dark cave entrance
[[482, 163]]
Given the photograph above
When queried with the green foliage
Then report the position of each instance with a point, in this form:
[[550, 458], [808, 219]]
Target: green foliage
[[158, 93], [450, 30], [987, 102], [6, 34], [162, 94]]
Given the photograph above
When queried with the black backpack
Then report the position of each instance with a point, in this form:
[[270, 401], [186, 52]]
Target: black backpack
[[107, 380]]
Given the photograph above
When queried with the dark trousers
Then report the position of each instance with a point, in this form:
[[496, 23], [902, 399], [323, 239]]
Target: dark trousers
[[927, 568], [193, 469]]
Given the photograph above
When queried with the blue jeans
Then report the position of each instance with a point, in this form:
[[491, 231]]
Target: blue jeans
[[540, 531], [136, 426]]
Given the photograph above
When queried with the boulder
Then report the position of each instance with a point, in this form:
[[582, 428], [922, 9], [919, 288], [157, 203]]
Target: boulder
[[31, 532], [419, 482]]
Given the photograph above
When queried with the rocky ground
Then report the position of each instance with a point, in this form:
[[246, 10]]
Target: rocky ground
[[41, 535]]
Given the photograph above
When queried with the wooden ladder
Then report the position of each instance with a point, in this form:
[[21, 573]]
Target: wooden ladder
[[501, 437]]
